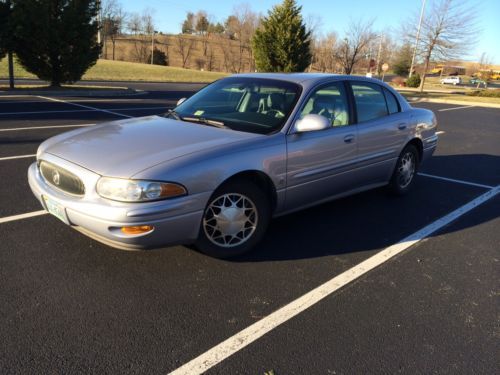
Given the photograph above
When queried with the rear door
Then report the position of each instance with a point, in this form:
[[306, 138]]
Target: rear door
[[382, 130], [321, 163]]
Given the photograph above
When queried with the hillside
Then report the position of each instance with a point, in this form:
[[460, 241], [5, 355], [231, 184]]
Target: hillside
[[129, 71]]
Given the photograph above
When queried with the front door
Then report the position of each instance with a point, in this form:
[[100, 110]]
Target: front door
[[321, 163]]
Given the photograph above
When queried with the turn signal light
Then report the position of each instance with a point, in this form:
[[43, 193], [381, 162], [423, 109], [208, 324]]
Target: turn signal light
[[138, 229]]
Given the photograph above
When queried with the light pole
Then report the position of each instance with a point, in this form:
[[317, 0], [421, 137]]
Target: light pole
[[152, 45], [417, 38], [382, 37]]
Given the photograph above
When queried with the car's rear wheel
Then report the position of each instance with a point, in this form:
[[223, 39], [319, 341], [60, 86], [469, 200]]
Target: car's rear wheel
[[403, 176], [234, 221]]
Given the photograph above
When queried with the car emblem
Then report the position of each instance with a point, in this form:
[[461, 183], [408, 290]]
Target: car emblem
[[56, 178]]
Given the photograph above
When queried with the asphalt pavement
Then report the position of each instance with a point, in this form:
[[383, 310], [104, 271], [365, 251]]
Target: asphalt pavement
[[72, 305]]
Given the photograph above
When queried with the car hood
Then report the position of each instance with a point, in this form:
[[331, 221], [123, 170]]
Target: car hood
[[124, 148]]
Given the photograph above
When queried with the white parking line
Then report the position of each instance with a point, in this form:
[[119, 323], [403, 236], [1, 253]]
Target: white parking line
[[85, 110], [245, 337], [440, 132], [452, 109], [15, 96], [457, 181], [45, 127], [84, 106], [22, 216], [17, 157], [78, 99]]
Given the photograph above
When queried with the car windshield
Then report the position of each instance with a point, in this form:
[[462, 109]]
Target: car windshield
[[243, 104]]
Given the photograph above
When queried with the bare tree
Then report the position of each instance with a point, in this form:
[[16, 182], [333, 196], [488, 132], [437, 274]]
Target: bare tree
[[323, 51], [210, 59], [184, 47], [134, 23], [483, 69], [448, 30], [241, 26], [148, 24], [351, 49], [112, 22]]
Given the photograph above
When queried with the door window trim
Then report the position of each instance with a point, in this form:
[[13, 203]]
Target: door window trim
[[353, 99], [318, 87]]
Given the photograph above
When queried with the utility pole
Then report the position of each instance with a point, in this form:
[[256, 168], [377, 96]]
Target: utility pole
[[99, 24], [417, 38], [11, 69], [10, 58]]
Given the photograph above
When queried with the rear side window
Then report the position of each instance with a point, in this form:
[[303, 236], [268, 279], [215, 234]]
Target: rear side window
[[370, 101], [392, 103]]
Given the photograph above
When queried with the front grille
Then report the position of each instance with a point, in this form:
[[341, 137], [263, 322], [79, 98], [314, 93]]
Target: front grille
[[61, 179]]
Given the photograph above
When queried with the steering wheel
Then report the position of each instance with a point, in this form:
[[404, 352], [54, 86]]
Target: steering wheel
[[277, 113]]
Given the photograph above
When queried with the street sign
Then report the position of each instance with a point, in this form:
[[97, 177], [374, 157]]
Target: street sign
[[385, 67]]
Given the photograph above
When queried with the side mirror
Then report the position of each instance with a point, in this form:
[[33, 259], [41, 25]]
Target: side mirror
[[180, 101], [311, 123]]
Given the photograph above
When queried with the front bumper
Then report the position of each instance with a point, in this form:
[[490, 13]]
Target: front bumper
[[175, 221]]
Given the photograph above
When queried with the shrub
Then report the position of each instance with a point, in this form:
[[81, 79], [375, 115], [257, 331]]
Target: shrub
[[413, 81], [159, 57], [398, 81], [485, 93]]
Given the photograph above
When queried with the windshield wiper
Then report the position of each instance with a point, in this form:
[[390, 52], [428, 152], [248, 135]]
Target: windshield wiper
[[206, 121], [171, 113]]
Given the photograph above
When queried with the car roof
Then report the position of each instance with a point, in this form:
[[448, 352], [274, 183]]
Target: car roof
[[304, 78], [309, 80]]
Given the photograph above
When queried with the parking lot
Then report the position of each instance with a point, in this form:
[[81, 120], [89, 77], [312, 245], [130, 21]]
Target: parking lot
[[312, 298]]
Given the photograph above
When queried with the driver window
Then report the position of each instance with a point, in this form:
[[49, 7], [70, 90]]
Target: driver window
[[330, 102]]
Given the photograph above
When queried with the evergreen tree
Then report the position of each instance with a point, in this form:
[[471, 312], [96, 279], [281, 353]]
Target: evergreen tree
[[402, 61], [282, 43], [56, 40], [188, 24], [202, 24], [5, 34]]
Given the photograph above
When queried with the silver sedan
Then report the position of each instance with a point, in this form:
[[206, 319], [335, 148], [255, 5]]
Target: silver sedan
[[214, 171]]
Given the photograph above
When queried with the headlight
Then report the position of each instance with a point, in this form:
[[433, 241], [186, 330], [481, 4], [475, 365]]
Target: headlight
[[137, 190]]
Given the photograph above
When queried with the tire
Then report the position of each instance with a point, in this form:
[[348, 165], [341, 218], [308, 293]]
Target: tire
[[404, 173], [224, 237]]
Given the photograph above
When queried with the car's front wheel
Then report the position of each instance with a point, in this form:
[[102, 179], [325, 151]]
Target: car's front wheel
[[406, 168], [234, 221]]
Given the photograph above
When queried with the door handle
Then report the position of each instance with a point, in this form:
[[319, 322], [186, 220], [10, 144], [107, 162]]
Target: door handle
[[402, 126], [349, 138]]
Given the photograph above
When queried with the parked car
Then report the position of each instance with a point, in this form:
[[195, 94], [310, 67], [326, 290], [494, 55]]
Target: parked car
[[454, 80], [476, 80], [214, 171]]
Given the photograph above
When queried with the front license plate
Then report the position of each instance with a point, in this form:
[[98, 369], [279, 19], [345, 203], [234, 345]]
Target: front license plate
[[56, 209]]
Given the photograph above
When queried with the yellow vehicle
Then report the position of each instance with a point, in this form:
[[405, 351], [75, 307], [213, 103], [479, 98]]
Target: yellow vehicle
[[448, 69], [488, 74], [437, 69]]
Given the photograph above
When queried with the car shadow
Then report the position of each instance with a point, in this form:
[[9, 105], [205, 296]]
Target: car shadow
[[375, 219]]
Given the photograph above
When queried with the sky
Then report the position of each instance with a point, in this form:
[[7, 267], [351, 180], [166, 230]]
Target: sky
[[331, 15]]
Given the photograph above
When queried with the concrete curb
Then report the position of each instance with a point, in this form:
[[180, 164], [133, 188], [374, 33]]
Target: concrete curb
[[451, 101], [62, 93]]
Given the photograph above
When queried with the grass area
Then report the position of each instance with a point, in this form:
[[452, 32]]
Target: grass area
[[21, 87], [446, 96], [107, 70]]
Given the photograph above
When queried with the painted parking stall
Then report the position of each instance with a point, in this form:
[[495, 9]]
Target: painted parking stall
[[74, 304]]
